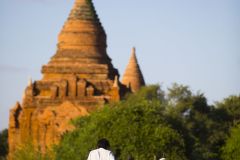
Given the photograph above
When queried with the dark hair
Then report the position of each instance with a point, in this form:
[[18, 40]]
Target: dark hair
[[103, 143], [130, 157]]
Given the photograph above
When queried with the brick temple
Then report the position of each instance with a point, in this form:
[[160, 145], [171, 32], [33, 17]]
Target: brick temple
[[78, 79]]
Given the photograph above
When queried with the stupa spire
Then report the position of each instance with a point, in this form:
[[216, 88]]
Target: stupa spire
[[133, 77], [81, 46]]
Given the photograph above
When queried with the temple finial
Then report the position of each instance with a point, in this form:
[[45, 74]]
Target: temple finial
[[133, 55], [30, 81], [133, 50]]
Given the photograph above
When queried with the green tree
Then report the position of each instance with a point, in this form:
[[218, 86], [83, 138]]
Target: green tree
[[3, 144], [231, 151], [177, 93], [198, 122], [231, 105], [135, 126]]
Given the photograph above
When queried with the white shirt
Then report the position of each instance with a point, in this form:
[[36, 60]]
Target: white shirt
[[100, 154]]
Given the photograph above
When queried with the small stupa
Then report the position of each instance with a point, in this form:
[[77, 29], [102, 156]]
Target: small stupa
[[133, 77]]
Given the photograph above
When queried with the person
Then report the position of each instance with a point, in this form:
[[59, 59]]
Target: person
[[102, 152]]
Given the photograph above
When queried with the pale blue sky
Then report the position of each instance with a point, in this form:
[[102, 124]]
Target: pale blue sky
[[191, 42]]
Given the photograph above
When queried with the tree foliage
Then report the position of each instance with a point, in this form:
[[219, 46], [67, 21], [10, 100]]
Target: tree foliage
[[231, 107], [204, 127], [231, 151], [178, 124], [3, 144]]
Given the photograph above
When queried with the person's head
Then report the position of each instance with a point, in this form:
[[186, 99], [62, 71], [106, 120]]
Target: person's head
[[103, 143], [130, 157]]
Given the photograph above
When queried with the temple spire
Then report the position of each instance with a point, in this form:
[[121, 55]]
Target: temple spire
[[82, 46], [82, 29], [133, 77]]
